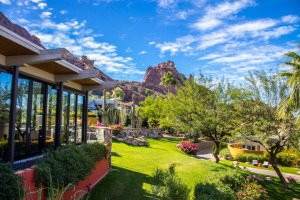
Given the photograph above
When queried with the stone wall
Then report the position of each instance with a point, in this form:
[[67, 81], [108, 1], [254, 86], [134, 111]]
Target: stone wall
[[101, 134], [146, 132]]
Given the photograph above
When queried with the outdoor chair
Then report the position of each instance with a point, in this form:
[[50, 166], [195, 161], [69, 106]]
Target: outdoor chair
[[254, 162], [266, 164]]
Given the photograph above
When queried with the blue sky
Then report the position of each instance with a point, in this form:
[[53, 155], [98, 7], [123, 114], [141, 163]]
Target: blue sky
[[124, 37]]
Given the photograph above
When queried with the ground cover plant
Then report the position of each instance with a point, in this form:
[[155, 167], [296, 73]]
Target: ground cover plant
[[132, 172]]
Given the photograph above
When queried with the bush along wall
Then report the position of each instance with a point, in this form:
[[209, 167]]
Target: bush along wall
[[68, 164], [11, 186]]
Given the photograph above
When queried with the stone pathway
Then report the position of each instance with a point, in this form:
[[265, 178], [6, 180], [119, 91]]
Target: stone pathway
[[205, 154], [272, 173]]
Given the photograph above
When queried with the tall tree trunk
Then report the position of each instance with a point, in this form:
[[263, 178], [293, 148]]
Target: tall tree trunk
[[278, 172], [216, 151]]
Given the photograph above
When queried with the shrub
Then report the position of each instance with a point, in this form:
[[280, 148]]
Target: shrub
[[11, 186], [96, 150], [287, 158], [68, 164], [116, 129], [225, 153], [213, 191], [188, 147], [234, 180], [169, 186], [247, 157], [253, 191]]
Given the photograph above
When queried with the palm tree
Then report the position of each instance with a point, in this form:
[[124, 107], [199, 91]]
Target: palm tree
[[292, 102], [168, 79]]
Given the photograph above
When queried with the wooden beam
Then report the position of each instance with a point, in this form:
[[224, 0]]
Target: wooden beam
[[45, 56], [12, 116], [102, 86], [84, 74]]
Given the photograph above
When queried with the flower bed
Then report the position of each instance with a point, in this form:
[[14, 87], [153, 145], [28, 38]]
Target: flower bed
[[188, 147]]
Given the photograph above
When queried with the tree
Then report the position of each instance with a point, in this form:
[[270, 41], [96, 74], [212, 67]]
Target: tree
[[152, 109], [118, 93], [196, 108], [168, 79], [292, 102], [260, 122]]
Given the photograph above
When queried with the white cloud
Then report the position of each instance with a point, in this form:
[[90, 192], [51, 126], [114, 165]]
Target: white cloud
[[63, 12], [142, 52], [42, 5], [152, 43], [214, 14], [46, 14], [5, 2], [166, 3], [290, 19]]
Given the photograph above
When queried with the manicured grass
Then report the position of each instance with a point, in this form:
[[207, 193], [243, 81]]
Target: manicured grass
[[290, 170], [132, 169]]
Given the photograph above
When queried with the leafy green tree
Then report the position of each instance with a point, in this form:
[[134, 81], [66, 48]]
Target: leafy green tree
[[196, 108], [292, 102], [152, 109], [260, 122], [168, 79], [118, 93]]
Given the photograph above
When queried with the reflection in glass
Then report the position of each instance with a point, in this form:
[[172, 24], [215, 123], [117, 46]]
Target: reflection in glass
[[5, 92], [79, 119], [64, 124], [21, 118], [72, 116], [37, 111], [51, 117]]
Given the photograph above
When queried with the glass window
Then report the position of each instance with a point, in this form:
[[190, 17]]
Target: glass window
[[21, 118], [5, 92], [51, 117], [79, 119], [72, 118], [36, 135]]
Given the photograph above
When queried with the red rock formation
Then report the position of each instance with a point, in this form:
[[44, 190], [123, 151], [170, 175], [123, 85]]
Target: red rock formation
[[151, 83], [153, 77]]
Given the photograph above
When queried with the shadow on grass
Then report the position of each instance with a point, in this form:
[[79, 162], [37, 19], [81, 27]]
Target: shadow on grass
[[276, 191], [122, 184], [115, 154]]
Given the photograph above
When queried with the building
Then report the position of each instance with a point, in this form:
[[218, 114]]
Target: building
[[43, 95]]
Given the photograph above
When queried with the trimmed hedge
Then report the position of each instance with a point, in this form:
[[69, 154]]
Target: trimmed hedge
[[11, 186], [250, 157], [68, 164]]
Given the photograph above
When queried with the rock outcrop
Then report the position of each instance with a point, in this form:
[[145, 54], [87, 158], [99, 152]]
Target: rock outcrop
[[138, 91]]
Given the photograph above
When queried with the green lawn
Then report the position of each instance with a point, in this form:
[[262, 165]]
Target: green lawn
[[132, 168], [291, 170]]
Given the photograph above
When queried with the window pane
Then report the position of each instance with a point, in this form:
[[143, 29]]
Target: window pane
[[51, 117], [79, 119], [21, 118], [36, 117], [5, 92], [72, 118], [64, 127]]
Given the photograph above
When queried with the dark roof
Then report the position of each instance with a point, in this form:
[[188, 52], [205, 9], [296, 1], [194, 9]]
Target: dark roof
[[4, 21]]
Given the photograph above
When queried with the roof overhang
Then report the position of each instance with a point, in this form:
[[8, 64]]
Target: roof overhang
[[13, 44], [102, 86]]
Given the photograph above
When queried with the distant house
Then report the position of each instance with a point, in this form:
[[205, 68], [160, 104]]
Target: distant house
[[245, 146]]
